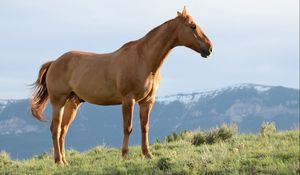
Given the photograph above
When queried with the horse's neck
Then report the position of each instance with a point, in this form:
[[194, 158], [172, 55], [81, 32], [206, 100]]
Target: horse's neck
[[157, 45]]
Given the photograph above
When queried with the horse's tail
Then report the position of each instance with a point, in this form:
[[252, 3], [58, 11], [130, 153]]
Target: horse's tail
[[40, 95]]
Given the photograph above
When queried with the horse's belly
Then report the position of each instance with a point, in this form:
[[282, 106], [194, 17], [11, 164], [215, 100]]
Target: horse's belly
[[102, 97], [105, 101], [97, 91]]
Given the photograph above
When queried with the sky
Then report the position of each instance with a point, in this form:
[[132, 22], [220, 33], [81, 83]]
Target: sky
[[254, 41]]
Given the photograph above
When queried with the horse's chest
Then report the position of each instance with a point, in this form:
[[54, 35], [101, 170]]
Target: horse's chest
[[139, 87], [143, 88]]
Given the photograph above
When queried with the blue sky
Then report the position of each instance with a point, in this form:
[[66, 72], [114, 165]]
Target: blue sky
[[254, 41]]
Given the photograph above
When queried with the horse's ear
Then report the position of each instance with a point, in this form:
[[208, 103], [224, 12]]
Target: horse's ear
[[179, 14], [184, 13]]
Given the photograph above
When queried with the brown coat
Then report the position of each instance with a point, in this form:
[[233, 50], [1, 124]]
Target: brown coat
[[130, 74]]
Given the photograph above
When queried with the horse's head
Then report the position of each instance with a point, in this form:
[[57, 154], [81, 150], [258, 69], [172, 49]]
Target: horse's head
[[191, 35]]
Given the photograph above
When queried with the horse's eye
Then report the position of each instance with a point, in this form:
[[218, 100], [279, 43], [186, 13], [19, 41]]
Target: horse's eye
[[193, 26]]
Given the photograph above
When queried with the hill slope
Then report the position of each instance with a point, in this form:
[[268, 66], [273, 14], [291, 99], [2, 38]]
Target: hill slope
[[277, 153]]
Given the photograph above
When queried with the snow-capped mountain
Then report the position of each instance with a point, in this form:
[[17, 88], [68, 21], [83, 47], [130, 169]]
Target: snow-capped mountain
[[195, 96], [247, 105], [3, 104]]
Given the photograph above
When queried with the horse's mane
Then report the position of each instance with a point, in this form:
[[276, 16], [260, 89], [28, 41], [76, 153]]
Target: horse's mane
[[153, 31], [148, 35]]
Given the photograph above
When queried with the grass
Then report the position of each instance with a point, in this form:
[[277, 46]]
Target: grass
[[223, 151]]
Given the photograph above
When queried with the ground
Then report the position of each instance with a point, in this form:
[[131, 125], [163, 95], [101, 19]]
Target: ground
[[268, 152]]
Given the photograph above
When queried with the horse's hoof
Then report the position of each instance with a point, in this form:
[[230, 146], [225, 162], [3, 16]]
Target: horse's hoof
[[147, 155], [60, 163], [124, 157], [124, 154], [65, 162]]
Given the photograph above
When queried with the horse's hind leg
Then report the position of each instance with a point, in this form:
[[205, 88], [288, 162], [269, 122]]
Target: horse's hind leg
[[57, 114], [70, 110]]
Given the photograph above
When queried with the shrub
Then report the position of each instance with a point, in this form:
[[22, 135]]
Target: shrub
[[267, 129], [164, 163], [4, 160], [4, 156], [199, 138], [184, 135], [157, 140], [172, 137], [212, 137], [223, 133], [44, 155], [226, 132]]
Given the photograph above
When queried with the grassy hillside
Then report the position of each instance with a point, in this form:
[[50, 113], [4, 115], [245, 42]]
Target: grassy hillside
[[219, 151]]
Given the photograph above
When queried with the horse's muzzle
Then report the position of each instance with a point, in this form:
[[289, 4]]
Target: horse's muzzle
[[207, 52]]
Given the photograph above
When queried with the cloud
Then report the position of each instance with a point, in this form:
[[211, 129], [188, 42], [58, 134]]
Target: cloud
[[16, 125]]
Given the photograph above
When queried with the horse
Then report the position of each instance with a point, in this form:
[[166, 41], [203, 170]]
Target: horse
[[126, 76]]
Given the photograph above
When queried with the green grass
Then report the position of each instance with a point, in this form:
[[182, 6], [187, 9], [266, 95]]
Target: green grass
[[276, 153]]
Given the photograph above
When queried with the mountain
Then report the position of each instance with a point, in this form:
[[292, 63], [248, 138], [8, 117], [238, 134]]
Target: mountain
[[247, 105]]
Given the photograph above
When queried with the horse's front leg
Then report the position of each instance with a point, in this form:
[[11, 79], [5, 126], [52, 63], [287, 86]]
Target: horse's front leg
[[145, 109], [127, 109]]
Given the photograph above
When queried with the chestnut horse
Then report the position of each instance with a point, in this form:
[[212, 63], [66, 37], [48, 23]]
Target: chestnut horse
[[127, 76]]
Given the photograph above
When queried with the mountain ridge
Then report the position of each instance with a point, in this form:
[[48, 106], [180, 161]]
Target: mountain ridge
[[207, 92]]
